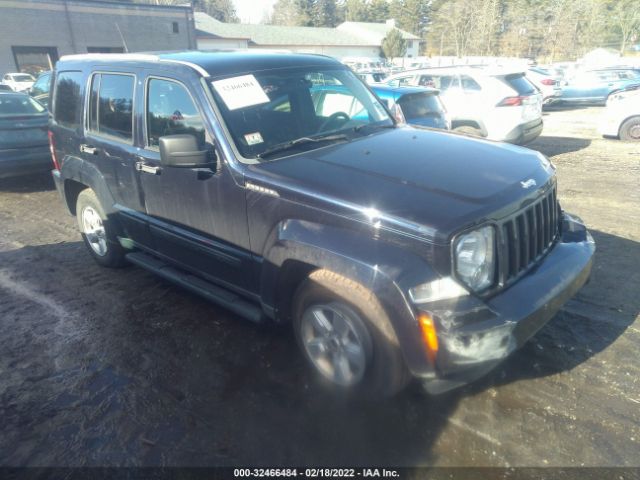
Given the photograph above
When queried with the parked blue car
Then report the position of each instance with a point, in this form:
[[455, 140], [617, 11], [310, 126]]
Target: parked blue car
[[415, 105], [595, 86]]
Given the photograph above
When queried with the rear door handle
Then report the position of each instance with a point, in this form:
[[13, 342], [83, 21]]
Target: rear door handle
[[146, 168], [89, 149]]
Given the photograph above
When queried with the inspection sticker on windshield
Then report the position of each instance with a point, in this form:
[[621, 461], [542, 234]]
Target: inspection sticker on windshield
[[239, 92], [253, 138]]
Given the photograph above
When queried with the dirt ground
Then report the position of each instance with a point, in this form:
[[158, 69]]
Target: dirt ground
[[117, 367]]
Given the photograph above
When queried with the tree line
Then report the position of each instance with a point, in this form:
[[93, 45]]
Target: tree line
[[552, 30]]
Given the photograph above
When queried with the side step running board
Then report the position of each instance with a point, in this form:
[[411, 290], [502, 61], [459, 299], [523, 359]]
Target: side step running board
[[211, 292]]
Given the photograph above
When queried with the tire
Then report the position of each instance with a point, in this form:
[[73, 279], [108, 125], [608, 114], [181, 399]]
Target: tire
[[98, 232], [468, 130], [630, 130], [383, 372]]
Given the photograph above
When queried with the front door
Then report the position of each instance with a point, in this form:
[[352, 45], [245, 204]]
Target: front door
[[197, 216]]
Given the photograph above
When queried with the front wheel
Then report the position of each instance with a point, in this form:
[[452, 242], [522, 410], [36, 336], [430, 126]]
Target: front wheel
[[97, 231], [630, 130], [346, 336]]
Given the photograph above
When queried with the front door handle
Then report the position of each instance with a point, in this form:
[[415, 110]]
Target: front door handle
[[89, 149], [146, 168]]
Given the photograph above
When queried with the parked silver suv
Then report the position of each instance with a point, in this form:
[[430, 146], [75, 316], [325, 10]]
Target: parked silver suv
[[497, 104]]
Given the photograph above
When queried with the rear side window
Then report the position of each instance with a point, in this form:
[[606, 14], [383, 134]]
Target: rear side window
[[111, 105], [171, 111], [420, 105], [68, 98], [520, 84], [469, 84]]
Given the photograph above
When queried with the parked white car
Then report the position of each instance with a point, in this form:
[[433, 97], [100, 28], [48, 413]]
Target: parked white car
[[497, 104], [621, 118], [19, 82], [547, 83]]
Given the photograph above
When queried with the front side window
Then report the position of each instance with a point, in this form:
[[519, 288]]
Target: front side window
[[171, 111], [441, 82], [41, 86], [68, 98], [273, 107], [111, 105]]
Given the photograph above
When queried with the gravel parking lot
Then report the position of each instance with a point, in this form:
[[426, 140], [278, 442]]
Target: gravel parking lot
[[117, 367]]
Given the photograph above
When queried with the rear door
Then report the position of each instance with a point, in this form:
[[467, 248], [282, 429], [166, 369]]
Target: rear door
[[109, 143]]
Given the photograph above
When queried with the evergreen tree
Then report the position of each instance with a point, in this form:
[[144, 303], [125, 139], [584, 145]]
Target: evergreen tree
[[393, 45]]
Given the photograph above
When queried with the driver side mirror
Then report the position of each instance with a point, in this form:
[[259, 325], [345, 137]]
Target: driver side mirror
[[183, 151]]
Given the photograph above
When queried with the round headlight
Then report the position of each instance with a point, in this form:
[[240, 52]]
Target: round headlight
[[475, 258]]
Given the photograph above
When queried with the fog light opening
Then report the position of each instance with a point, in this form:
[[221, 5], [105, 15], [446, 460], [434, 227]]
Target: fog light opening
[[429, 336]]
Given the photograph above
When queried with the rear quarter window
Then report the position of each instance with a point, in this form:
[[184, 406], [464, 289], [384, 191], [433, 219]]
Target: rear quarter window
[[520, 84], [68, 99]]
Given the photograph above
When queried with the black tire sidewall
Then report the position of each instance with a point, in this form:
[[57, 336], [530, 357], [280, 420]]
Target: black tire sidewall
[[115, 253], [385, 372]]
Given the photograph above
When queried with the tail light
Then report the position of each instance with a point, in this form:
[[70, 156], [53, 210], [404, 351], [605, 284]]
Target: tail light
[[52, 149], [547, 81], [397, 114], [511, 102]]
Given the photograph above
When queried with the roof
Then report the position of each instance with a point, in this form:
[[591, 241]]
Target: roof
[[213, 63], [374, 32], [385, 90], [277, 35]]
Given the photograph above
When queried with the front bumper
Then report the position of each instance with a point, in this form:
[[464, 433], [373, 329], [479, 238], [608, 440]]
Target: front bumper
[[24, 161], [476, 334]]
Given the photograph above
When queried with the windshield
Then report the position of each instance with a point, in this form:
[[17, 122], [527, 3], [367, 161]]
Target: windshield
[[23, 78], [19, 105], [419, 105], [274, 107]]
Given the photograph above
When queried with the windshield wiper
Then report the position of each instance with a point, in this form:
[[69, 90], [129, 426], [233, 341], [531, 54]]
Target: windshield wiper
[[373, 126], [281, 147]]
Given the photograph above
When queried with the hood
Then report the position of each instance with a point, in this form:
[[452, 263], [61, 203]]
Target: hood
[[438, 180]]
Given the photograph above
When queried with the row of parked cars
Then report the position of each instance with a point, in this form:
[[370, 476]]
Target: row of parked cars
[[494, 103]]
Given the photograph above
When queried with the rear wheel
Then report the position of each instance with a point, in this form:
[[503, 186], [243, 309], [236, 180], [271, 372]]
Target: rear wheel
[[630, 130], [97, 231], [346, 336]]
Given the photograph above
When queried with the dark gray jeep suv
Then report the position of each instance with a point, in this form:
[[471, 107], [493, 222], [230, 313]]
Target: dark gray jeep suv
[[395, 252]]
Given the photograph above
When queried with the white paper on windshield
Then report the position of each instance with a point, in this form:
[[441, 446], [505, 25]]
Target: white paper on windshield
[[239, 92]]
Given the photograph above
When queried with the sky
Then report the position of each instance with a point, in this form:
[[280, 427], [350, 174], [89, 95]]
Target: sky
[[252, 11]]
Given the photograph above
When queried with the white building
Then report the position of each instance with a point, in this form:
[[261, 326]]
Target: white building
[[350, 39]]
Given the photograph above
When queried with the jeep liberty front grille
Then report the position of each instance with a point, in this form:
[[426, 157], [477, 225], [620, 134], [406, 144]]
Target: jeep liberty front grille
[[527, 235]]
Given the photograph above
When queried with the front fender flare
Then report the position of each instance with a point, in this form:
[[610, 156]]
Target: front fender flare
[[386, 270]]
